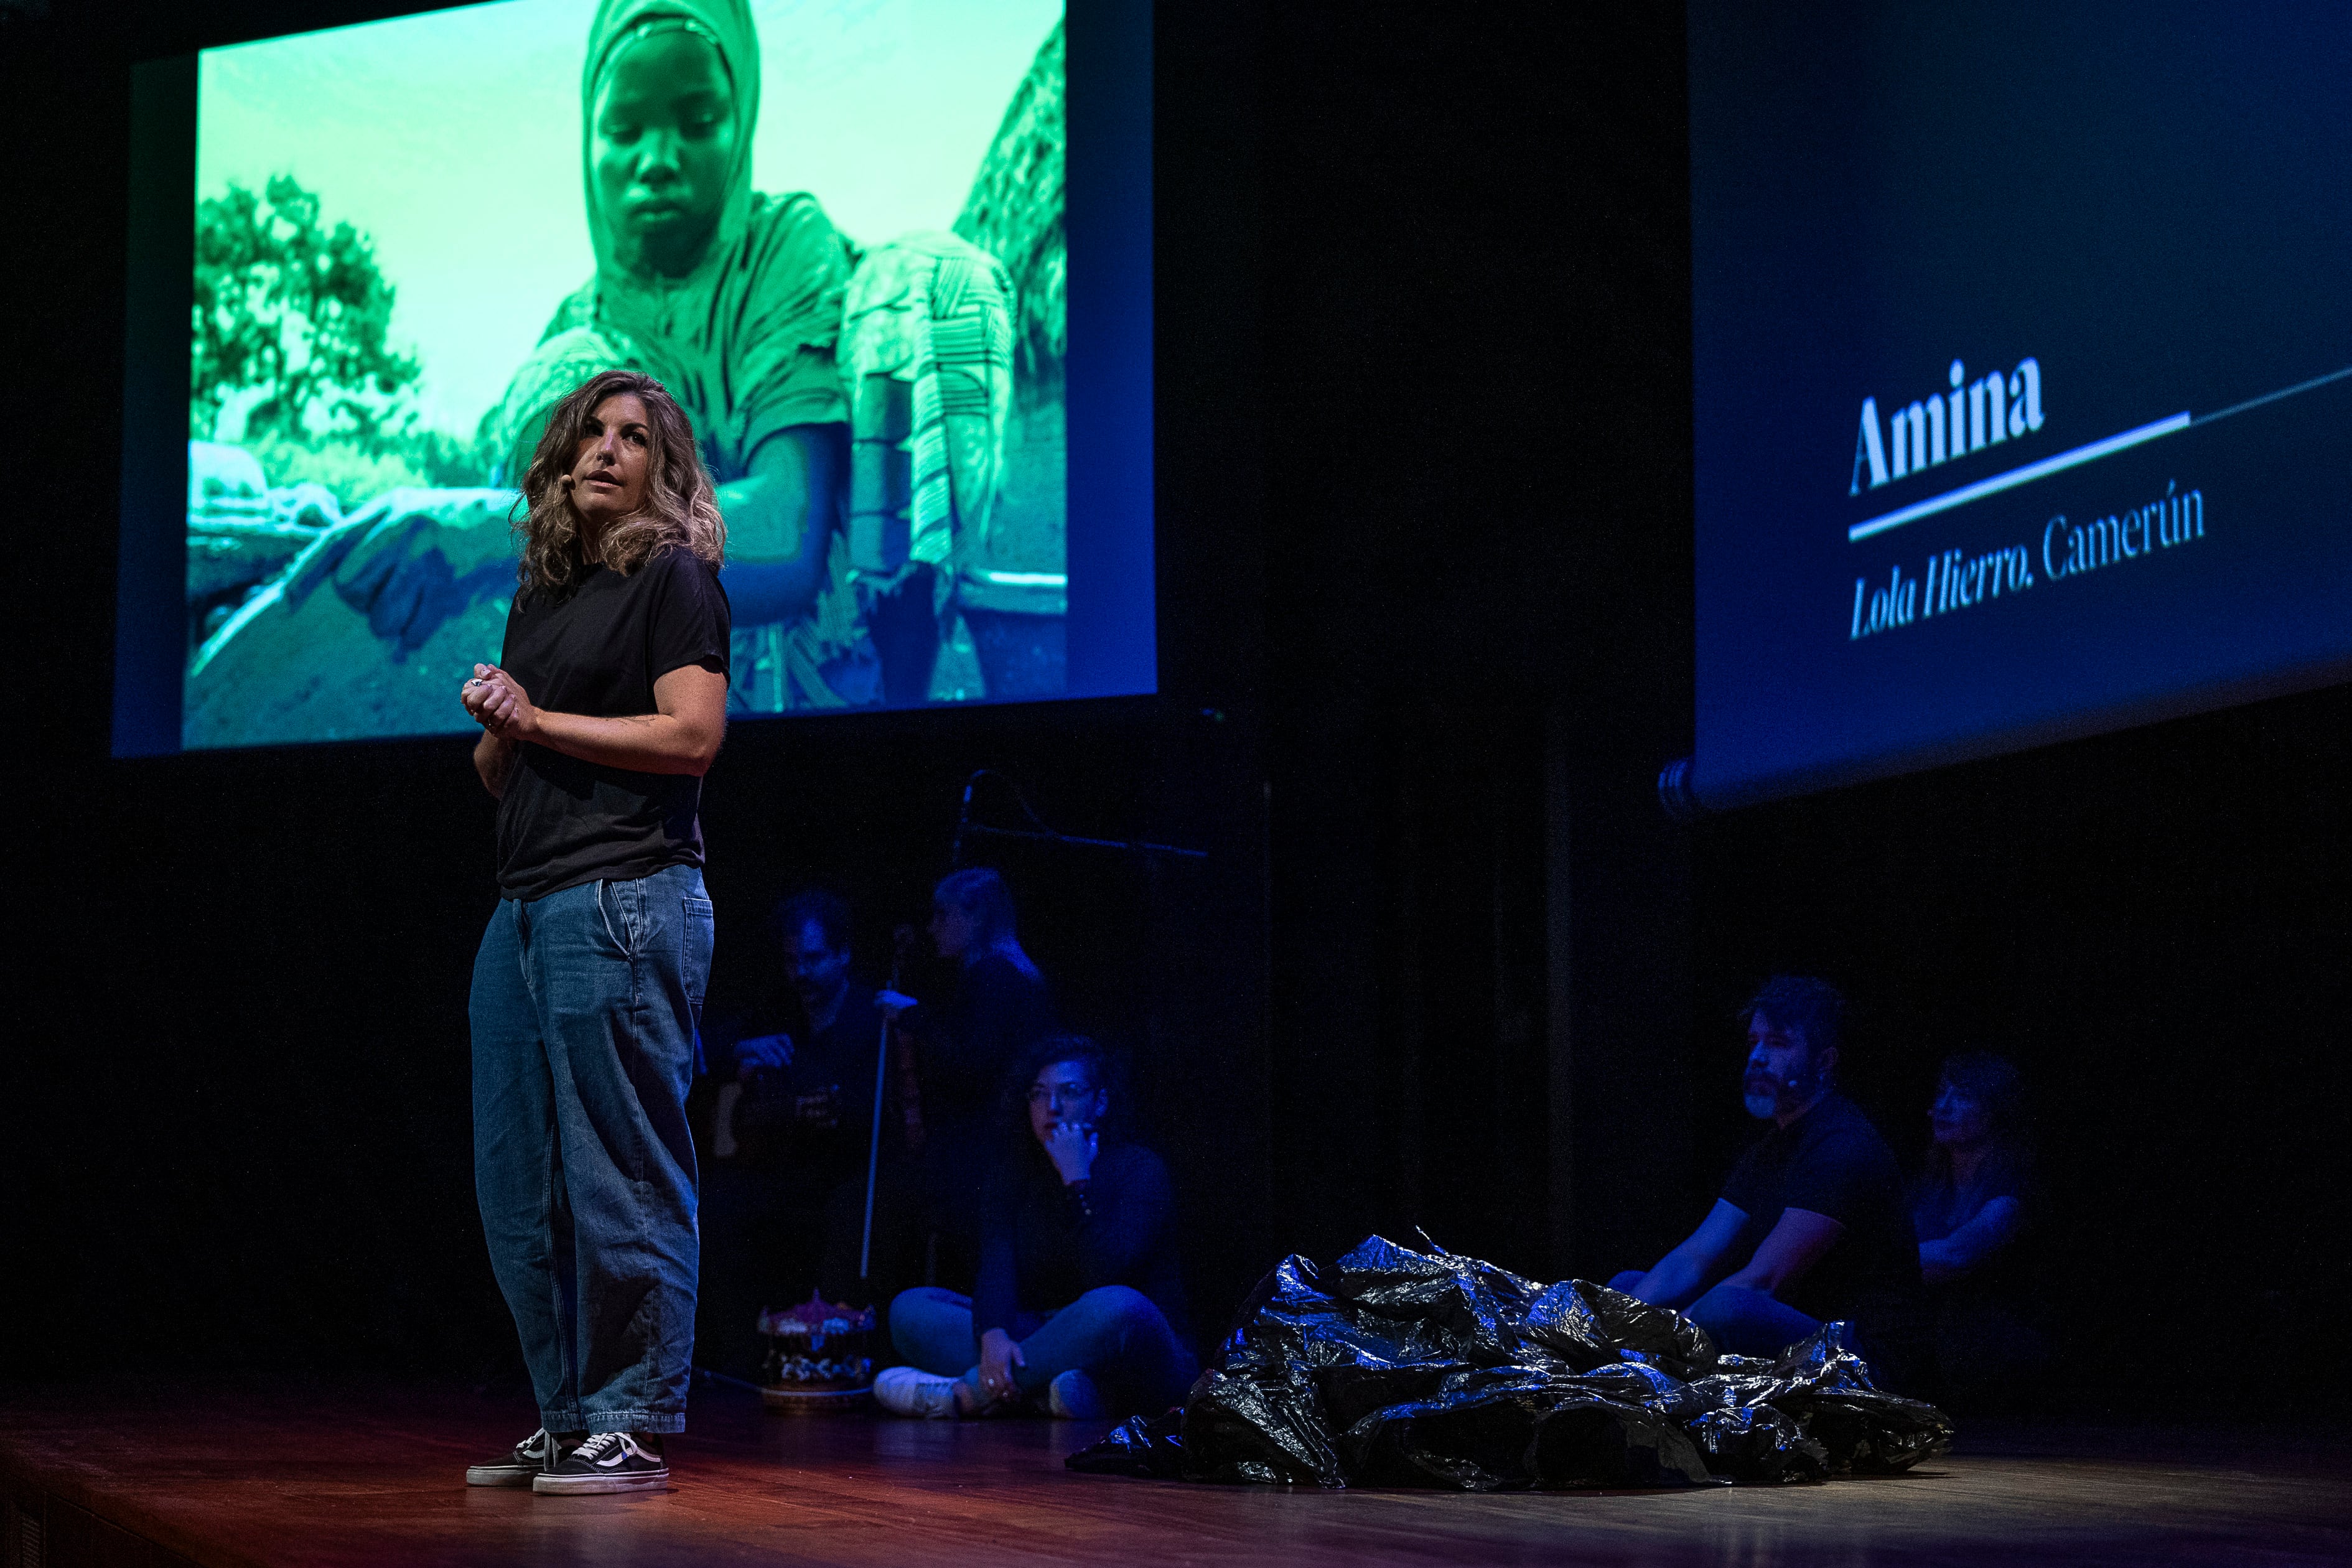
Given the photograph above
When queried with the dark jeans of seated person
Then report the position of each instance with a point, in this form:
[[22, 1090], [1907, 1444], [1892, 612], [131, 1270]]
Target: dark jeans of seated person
[[1739, 1320], [1744, 1321], [1114, 1334]]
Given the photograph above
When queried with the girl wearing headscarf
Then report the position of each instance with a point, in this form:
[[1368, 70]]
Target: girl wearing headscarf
[[733, 299], [766, 323], [850, 406]]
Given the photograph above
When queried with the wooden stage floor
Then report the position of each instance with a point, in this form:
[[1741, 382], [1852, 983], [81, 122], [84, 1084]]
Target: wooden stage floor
[[352, 1477]]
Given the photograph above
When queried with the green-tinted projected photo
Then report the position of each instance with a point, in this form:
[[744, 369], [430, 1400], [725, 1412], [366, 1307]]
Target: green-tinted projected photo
[[834, 228]]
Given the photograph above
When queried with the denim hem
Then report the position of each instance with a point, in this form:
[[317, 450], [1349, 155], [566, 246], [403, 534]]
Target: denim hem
[[633, 1421]]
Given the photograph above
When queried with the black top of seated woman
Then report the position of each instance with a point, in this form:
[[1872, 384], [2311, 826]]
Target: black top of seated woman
[[1044, 1244], [967, 1044], [1939, 1206]]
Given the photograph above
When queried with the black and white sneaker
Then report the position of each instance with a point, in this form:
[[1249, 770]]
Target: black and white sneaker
[[520, 1467], [606, 1462]]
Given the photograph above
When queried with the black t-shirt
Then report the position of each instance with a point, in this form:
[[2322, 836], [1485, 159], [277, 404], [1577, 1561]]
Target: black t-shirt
[[597, 650], [965, 1046], [965, 1050], [1833, 1161], [1938, 1209]]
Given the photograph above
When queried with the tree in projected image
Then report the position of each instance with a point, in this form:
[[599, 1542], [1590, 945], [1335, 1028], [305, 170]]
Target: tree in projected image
[[289, 321], [292, 356], [299, 406]]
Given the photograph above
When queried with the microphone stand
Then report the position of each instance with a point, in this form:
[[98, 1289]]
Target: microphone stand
[[1038, 833], [874, 1147], [965, 828]]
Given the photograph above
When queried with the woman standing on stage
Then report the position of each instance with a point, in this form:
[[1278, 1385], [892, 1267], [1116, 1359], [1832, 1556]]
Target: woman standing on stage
[[600, 720]]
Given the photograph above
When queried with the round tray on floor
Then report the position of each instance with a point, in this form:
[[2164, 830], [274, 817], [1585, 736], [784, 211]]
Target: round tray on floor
[[815, 1400]]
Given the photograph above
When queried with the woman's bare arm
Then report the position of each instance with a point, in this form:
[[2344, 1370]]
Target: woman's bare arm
[[681, 737], [493, 755], [1994, 1226]]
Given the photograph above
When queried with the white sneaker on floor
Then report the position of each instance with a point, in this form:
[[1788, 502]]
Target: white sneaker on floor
[[926, 1396], [1071, 1396]]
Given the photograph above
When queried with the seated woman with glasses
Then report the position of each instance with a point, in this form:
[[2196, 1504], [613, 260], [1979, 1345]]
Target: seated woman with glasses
[[1080, 1312]]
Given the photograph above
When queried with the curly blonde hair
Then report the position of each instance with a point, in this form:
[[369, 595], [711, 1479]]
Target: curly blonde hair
[[681, 505]]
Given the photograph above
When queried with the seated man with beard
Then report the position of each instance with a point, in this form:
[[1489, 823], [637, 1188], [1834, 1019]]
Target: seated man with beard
[[1812, 1225]]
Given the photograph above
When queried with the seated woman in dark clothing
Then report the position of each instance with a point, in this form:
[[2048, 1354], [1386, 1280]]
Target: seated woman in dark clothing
[[1079, 1308], [1971, 1207], [964, 1048]]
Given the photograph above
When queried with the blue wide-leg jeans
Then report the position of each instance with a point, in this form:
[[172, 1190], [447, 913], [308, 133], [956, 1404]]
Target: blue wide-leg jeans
[[584, 1008]]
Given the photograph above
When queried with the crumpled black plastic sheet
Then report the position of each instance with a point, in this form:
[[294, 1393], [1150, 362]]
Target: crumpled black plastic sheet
[[1405, 1368]]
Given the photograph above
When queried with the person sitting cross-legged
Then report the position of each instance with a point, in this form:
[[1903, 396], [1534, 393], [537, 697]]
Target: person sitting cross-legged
[[1079, 1309]]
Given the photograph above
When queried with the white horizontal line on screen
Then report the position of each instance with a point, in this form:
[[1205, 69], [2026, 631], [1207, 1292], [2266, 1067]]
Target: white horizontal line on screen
[[1028, 579], [2015, 476], [2096, 449], [2274, 396]]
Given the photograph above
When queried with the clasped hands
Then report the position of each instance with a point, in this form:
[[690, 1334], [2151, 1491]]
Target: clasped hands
[[1072, 1146], [498, 704]]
